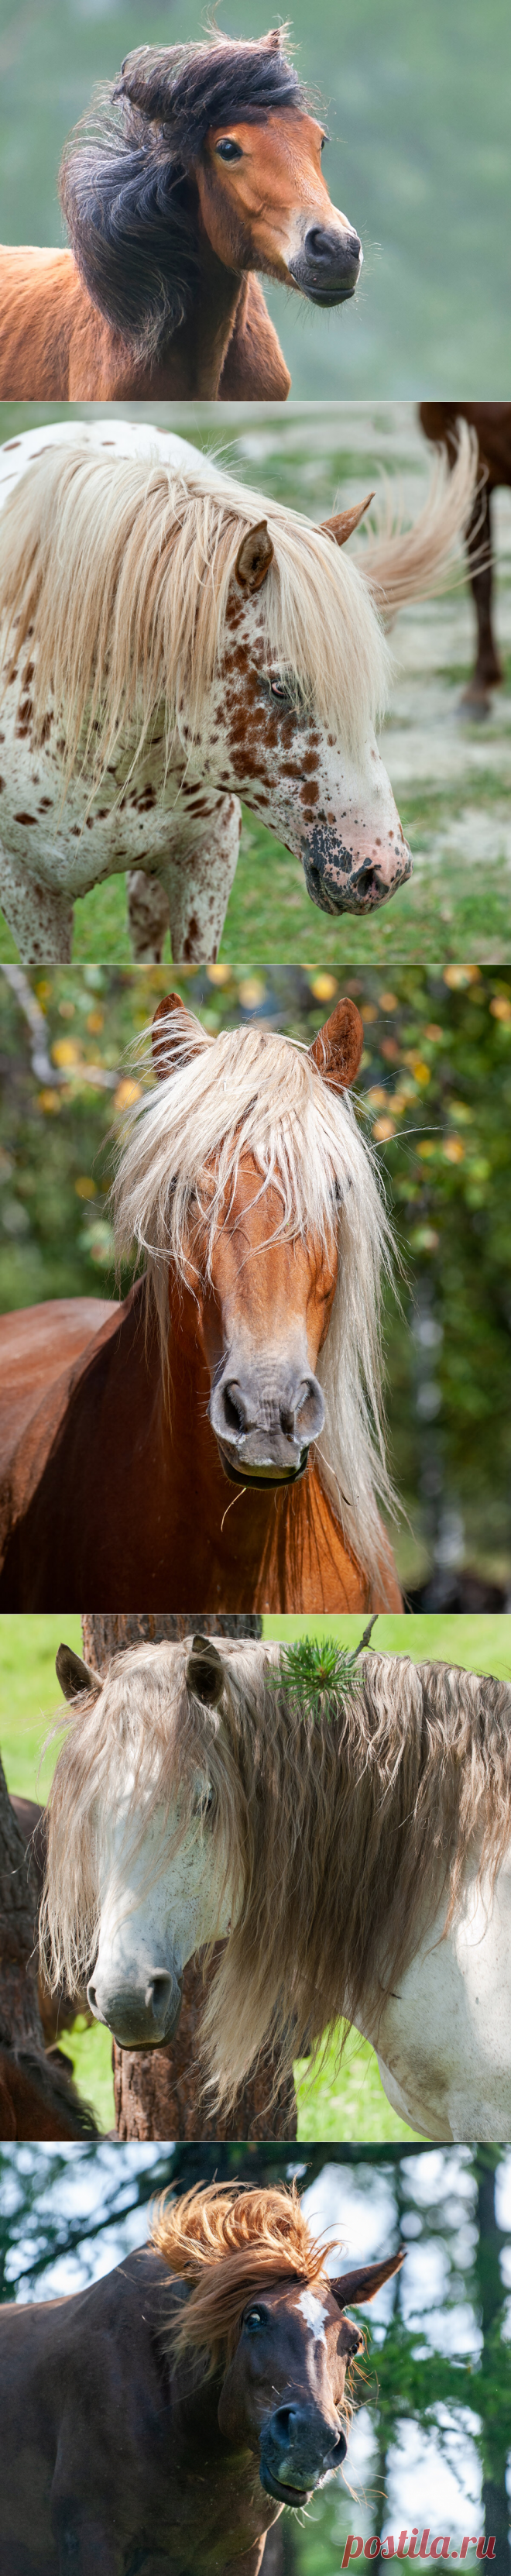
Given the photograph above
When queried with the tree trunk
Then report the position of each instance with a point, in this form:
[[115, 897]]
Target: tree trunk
[[495, 2436], [158, 2092], [36, 2094]]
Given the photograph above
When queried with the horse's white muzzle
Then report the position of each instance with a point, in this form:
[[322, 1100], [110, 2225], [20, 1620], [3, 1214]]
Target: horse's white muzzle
[[139, 2016]]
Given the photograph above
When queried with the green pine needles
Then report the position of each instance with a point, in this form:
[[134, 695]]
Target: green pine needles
[[316, 1669]]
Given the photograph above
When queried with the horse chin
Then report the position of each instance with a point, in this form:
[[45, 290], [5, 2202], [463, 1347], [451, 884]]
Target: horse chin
[[251, 1476], [341, 295], [284, 2495]]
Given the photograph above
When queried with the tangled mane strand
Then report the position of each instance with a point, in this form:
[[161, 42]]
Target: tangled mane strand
[[121, 569], [249, 1092], [123, 180], [228, 2243]]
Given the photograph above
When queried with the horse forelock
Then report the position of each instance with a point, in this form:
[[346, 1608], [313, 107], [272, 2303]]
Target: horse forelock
[[251, 1093], [122, 571], [228, 2244], [187, 89]]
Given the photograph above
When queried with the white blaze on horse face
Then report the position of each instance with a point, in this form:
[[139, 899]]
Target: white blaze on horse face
[[314, 2312], [159, 1903]]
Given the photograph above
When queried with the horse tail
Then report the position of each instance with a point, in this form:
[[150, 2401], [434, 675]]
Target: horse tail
[[401, 564]]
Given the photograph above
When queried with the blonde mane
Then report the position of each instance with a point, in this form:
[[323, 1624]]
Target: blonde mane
[[249, 1092], [342, 1833], [228, 2243], [118, 571]]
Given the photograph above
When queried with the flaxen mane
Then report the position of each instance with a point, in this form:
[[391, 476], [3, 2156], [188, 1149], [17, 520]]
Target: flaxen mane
[[228, 2243], [249, 1092], [342, 1833], [124, 178]]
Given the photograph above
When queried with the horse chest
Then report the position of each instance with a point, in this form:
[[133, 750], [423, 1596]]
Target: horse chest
[[133, 823], [444, 2042]]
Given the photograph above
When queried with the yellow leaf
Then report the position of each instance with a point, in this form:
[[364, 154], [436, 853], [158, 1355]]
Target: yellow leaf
[[127, 1092], [65, 1051]]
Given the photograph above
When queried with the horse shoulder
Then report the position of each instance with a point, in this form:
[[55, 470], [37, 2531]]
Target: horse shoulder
[[38, 291], [254, 369]]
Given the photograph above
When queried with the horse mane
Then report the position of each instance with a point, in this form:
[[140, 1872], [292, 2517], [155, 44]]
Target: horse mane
[[227, 2243], [118, 569], [342, 1832], [247, 1091], [124, 180]]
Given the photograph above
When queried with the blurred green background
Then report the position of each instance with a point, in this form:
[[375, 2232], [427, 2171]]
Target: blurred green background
[[335, 2102], [429, 2443], [434, 1095], [451, 774], [418, 101]]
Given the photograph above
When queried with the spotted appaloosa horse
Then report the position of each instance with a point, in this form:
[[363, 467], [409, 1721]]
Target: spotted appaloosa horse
[[170, 2411], [169, 650], [202, 166], [492, 423], [257, 1380]]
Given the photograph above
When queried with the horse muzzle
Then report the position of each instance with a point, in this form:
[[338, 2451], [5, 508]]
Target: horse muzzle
[[138, 2017], [338, 883], [264, 1432], [297, 2452], [327, 267]]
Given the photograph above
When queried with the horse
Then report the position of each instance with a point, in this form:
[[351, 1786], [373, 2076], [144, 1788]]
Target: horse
[[169, 649], [355, 1857], [201, 165], [171, 2410], [37, 2094], [219, 1432], [492, 424]]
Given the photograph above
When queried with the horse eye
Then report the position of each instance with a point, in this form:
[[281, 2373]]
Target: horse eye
[[278, 689], [255, 2318], [229, 151]]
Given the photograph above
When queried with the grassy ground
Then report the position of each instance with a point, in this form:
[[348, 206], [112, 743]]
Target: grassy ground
[[340, 2102], [451, 776]]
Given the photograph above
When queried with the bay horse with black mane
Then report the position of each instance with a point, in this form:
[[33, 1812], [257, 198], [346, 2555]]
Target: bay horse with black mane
[[220, 1432], [351, 1852], [201, 165], [492, 424], [172, 2410]]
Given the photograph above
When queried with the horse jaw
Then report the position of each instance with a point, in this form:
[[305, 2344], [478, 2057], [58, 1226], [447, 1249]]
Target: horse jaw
[[158, 1906]]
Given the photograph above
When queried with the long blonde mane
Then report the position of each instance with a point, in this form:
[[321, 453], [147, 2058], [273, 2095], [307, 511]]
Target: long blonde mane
[[342, 1832], [115, 573], [249, 1092], [227, 2243]]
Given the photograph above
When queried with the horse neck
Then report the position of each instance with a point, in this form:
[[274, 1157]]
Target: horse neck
[[189, 365]]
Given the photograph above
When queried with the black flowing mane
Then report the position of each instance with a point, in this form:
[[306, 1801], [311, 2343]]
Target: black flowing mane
[[123, 180]]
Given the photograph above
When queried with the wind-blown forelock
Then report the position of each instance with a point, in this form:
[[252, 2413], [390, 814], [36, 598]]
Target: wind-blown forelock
[[230, 2244], [123, 180], [345, 1832], [247, 1092], [122, 569]]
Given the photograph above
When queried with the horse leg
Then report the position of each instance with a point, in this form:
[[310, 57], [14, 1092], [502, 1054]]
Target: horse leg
[[488, 669], [148, 917], [41, 921], [198, 882]]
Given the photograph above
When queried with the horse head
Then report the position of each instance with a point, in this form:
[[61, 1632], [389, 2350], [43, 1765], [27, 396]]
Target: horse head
[[285, 2386], [259, 1299]]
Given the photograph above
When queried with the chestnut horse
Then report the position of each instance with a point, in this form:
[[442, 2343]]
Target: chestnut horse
[[201, 166], [353, 1855], [174, 1462], [171, 2410], [168, 650], [492, 423]]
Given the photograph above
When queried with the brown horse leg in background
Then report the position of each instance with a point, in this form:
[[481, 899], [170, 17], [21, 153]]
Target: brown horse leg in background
[[492, 421]]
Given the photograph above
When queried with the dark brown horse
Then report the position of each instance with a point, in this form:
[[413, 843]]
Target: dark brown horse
[[493, 424], [202, 166], [167, 2420]]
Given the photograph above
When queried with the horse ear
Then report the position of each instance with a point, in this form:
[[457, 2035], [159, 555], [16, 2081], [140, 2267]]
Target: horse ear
[[355, 2288], [255, 554], [273, 42], [168, 1050], [205, 1672], [344, 522], [73, 1675], [338, 1047]]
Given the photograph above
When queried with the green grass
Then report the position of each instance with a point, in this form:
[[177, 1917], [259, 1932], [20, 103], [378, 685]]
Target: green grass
[[337, 2103]]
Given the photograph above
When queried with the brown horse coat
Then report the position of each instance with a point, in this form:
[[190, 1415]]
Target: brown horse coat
[[492, 421]]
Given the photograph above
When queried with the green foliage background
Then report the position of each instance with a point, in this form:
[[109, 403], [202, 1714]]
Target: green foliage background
[[418, 100], [434, 1095]]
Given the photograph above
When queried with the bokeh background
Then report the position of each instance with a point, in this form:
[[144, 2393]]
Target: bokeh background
[[418, 103], [451, 772], [433, 1095], [430, 2441]]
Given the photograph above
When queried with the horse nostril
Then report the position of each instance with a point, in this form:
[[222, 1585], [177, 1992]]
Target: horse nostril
[[331, 246], [234, 1410], [157, 1993]]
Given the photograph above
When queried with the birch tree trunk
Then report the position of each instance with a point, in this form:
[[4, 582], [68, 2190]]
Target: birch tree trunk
[[158, 2090]]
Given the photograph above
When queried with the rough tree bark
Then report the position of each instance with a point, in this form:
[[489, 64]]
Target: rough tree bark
[[37, 2099], [158, 2091]]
